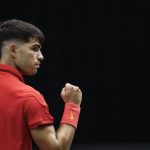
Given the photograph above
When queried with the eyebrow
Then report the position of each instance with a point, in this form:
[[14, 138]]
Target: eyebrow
[[34, 45]]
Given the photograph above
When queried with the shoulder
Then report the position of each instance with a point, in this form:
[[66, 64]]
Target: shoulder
[[27, 93], [31, 93]]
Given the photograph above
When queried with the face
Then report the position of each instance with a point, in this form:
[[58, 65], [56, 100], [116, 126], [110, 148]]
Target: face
[[28, 57]]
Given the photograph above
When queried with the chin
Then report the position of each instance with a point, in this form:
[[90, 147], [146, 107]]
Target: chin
[[30, 73]]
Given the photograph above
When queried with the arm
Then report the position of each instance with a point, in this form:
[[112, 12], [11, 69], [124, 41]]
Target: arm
[[46, 137]]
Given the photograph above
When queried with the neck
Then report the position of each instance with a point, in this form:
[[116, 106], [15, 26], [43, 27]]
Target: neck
[[7, 62]]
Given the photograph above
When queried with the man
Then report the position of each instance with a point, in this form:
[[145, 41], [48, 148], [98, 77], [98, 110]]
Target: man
[[24, 114]]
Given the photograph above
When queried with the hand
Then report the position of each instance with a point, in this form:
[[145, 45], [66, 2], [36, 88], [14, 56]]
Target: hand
[[71, 93]]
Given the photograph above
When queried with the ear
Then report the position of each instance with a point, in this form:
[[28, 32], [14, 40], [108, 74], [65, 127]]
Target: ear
[[12, 50]]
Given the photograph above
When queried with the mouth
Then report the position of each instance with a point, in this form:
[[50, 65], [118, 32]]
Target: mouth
[[37, 65]]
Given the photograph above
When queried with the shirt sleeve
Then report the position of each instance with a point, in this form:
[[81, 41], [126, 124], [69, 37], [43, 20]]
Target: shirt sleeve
[[36, 112]]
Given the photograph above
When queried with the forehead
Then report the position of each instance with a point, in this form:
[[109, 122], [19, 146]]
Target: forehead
[[33, 41]]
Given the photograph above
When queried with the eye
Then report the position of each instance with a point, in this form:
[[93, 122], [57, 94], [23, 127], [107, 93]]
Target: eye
[[35, 48]]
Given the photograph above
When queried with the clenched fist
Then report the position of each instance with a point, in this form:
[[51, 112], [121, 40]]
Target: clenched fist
[[71, 93]]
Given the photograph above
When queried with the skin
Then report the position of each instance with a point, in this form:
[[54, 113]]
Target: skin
[[26, 57]]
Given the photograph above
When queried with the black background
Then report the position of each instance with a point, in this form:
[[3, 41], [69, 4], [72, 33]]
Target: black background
[[103, 47]]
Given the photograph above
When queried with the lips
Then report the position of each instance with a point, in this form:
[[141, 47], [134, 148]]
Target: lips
[[37, 65]]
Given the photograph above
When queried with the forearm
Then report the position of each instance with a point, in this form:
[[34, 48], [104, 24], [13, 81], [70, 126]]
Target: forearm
[[64, 135], [68, 125], [46, 137]]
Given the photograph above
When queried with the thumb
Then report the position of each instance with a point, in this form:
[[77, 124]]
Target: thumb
[[63, 93]]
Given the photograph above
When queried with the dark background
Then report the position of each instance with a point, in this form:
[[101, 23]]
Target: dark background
[[103, 47]]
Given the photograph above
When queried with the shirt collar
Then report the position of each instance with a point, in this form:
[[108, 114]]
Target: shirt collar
[[11, 70]]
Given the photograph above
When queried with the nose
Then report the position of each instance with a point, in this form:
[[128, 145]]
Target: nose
[[40, 56]]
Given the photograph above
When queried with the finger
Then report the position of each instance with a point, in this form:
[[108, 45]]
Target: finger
[[63, 92], [69, 87], [67, 84]]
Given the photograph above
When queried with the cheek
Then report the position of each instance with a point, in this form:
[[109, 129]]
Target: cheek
[[30, 60], [30, 56], [26, 59]]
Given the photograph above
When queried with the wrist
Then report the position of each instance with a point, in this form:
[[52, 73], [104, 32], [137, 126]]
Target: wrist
[[71, 114]]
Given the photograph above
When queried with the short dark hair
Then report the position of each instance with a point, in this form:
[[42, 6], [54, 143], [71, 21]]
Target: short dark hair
[[19, 30]]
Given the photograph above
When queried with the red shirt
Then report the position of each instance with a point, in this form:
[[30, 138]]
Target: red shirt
[[21, 109]]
